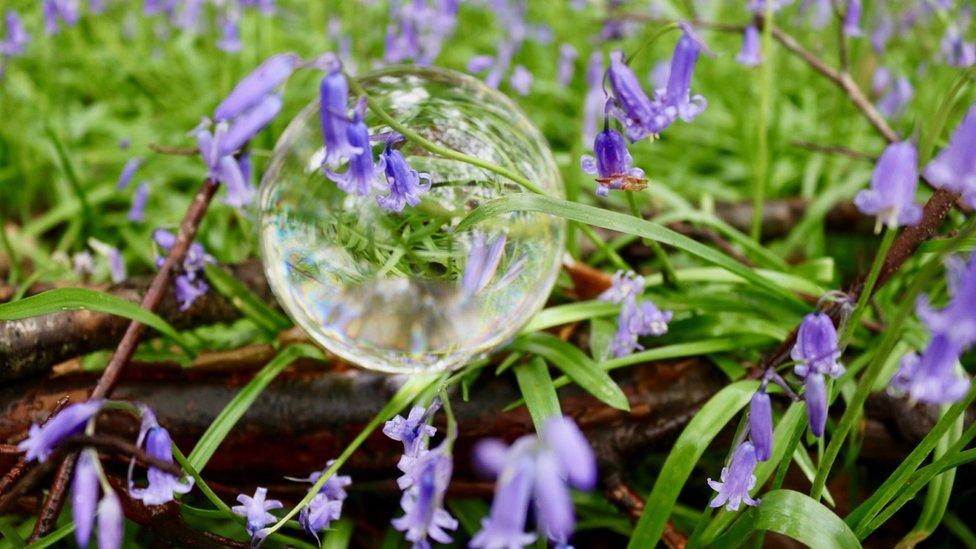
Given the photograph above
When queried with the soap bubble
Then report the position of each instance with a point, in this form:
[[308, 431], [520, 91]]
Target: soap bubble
[[407, 292]]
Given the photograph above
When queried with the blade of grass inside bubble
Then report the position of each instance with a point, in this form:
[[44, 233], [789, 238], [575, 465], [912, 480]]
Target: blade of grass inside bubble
[[538, 392]]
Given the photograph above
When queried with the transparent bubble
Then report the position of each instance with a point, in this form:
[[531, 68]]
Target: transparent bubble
[[407, 292]]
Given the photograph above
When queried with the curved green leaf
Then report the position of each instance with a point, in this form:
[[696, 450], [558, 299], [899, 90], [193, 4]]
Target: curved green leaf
[[72, 299], [687, 450], [537, 390], [794, 515], [245, 301], [624, 223]]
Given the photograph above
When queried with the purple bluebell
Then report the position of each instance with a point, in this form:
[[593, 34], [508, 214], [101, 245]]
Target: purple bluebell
[[188, 285], [480, 63], [852, 18], [96, 6], [884, 29], [255, 510], [540, 470], [326, 506], [49, 9], [893, 103], [623, 286], [42, 439], [137, 212], [751, 53], [660, 74], [158, 444], [955, 166], [521, 80], [483, 260], [759, 6], [761, 424], [678, 92], [84, 496], [956, 51], [892, 194], [419, 29], [230, 32], [736, 480], [246, 125], [594, 105], [256, 86], [111, 522], [128, 172], [188, 17], [334, 91], [83, 263], [957, 321], [116, 265], [423, 502], [816, 349], [16, 38], [631, 106], [221, 165], [405, 184], [567, 64], [881, 80], [637, 318], [818, 12], [413, 431], [362, 173], [815, 394], [933, 379], [613, 164]]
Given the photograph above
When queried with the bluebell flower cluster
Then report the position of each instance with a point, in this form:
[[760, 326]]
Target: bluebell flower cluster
[[637, 317], [190, 283], [418, 29], [539, 470], [511, 17], [326, 505]]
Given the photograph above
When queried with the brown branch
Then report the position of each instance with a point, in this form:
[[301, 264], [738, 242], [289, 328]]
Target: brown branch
[[176, 151], [834, 149], [127, 347]]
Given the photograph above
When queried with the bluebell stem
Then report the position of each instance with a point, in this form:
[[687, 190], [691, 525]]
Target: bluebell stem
[[955, 166], [424, 513], [137, 212], [631, 106], [483, 260], [736, 480], [111, 522], [678, 92], [595, 102], [816, 349], [852, 18], [128, 172], [42, 439], [892, 194], [404, 182], [335, 122], [957, 321], [613, 164], [751, 53], [761, 424], [521, 80], [255, 510], [815, 395], [361, 175], [932, 379], [16, 38], [893, 103], [158, 444], [256, 86], [84, 496], [567, 64]]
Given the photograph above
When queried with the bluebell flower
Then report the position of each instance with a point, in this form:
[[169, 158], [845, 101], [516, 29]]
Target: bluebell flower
[[326, 506], [413, 431], [111, 522], [128, 172], [759, 6], [116, 265], [540, 470], [256, 86], [957, 321], [818, 12], [361, 175], [816, 349], [84, 495], [483, 260], [751, 53], [419, 29], [189, 285], [736, 480], [404, 182], [893, 103], [567, 64], [137, 212], [852, 18], [83, 263], [678, 96], [637, 318], [16, 38], [815, 394], [933, 379], [761, 424], [49, 9], [158, 444], [246, 125], [521, 80], [479, 63], [956, 51], [334, 92], [884, 29], [42, 439], [230, 31], [422, 503], [613, 164], [221, 165], [188, 17], [631, 106], [594, 105], [255, 510], [954, 168], [892, 194]]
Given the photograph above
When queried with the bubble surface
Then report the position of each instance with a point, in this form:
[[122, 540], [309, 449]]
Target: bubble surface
[[407, 292]]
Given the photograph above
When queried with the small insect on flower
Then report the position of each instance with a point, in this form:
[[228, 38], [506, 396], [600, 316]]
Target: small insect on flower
[[892, 194], [42, 439], [736, 480], [255, 510], [955, 166], [613, 164]]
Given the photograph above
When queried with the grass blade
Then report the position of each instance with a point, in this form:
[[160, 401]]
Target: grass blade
[[246, 302], [538, 391]]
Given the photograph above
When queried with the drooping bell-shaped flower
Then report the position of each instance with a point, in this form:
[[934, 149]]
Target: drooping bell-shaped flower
[[892, 194], [42, 439], [678, 96], [751, 53], [162, 485], [334, 91], [932, 378], [815, 395], [16, 38], [229, 24], [567, 64], [761, 424], [613, 164], [505, 524], [326, 506], [483, 260], [111, 522], [413, 431], [84, 496], [128, 172], [137, 211], [631, 106], [521, 80], [423, 502], [957, 321], [956, 51], [816, 349], [255, 510], [406, 184], [638, 319], [884, 29], [955, 166], [247, 124], [736, 480], [893, 103], [361, 175], [852, 18]]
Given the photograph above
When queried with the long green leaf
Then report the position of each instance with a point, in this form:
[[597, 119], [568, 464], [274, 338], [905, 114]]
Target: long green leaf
[[71, 299], [575, 364], [687, 450], [538, 391], [616, 221], [245, 301], [236, 408], [794, 515]]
